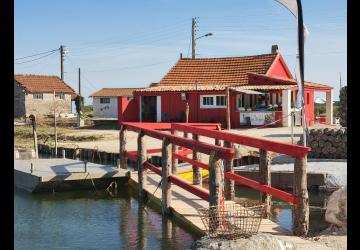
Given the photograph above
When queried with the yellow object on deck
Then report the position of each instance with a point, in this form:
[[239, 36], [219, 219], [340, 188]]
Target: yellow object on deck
[[188, 175]]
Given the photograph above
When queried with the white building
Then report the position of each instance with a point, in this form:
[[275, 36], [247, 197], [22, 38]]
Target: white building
[[106, 102]]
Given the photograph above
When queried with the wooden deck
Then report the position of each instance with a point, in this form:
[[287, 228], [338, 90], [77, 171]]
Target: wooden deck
[[184, 205]]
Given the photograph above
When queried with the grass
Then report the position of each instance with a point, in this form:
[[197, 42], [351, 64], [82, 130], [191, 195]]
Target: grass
[[23, 136]]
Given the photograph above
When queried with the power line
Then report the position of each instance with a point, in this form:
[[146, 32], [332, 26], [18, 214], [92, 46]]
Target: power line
[[38, 58], [36, 54]]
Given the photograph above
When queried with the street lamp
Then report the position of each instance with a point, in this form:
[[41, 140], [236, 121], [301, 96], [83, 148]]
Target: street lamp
[[208, 34]]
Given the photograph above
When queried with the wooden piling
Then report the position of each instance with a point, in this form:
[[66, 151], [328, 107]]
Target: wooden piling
[[300, 213], [166, 172], [265, 178], [229, 187], [215, 189], [174, 149], [140, 162], [122, 152], [197, 172]]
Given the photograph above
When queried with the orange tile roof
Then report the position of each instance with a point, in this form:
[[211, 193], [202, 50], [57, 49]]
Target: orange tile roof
[[229, 70], [114, 92], [181, 88], [44, 84]]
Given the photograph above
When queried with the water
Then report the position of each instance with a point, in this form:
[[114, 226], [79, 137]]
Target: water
[[282, 211], [85, 220]]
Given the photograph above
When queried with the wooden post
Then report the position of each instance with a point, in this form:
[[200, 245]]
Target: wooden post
[[228, 124], [123, 158], [187, 108], [166, 172], [300, 214], [197, 172], [174, 149], [229, 187], [140, 162], [217, 141], [33, 120], [215, 188], [265, 177]]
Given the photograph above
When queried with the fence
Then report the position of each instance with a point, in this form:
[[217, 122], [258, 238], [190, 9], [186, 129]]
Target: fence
[[175, 147]]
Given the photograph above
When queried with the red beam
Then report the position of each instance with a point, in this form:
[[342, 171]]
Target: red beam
[[153, 168], [202, 147], [191, 161], [185, 152], [167, 126], [199, 192], [274, 146], [263, 188]]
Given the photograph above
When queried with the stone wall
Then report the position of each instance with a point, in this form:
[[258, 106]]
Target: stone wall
[[343, 106], [45, 106], [19, 101], [328, 143]]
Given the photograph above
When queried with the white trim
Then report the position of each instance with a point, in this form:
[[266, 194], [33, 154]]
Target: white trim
[[214, 106], [158, 108]]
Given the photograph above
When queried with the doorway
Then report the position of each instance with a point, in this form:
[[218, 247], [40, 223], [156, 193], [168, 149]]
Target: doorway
[[148, 109]]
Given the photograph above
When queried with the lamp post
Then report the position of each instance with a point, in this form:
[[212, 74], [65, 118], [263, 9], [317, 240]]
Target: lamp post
[[193, 40]]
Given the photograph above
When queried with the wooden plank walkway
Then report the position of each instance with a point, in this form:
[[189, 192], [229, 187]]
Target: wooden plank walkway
[[184, 205]]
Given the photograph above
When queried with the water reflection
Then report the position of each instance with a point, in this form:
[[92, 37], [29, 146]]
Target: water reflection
[[85, 220]]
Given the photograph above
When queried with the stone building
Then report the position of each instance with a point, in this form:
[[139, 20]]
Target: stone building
[[34, 94]]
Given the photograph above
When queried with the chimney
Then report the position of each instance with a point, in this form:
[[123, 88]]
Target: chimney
[[274, 49], [180, 55]]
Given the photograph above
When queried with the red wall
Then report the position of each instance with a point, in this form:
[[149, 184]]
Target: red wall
[[127, 110], [309, 107], [279, 69]]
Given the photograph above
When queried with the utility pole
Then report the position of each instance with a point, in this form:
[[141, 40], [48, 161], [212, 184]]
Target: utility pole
[[55, 127], [79, 82], [340, 81], [193, 25], [62, 53]]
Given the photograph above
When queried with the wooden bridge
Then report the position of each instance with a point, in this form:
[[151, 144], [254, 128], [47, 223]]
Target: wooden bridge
[[181, 198]]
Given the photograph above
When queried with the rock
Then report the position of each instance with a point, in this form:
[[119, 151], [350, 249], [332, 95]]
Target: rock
[[256, 242], [336, 210]]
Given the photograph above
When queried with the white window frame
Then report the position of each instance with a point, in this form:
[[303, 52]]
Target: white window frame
[[38, 96], [60, 96], [202, 106], [104, 99]]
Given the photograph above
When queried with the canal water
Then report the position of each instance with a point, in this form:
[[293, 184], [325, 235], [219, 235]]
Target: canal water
[[89, 220]]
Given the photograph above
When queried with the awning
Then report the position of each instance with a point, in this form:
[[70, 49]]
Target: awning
[[247, 91]]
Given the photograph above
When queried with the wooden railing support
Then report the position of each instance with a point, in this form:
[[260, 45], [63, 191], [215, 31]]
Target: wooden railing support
[[122, 151], [300, 214], [174, 149], [217, 141], [197, 172], [215, 188], [140, 163], [229, 187], [166, 172], [265, 178]]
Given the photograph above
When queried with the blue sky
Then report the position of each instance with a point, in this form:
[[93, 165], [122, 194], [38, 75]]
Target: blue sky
[[132, 43]]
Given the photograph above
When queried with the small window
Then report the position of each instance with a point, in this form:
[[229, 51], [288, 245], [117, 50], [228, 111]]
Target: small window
[[38, 96], [220, 100], [129, 98], [208, 101], [60, 96], [308, 98], [104, 100]]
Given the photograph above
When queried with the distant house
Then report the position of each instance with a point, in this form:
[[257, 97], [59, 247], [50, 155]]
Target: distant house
[[107, 102], [34, 94]]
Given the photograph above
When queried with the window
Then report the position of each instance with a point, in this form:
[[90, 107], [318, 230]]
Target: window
[[38, 96], [308, 98], [213, 101], [129, 98], [220, 100], [60, 96], [105, 100]]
